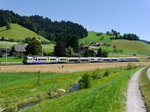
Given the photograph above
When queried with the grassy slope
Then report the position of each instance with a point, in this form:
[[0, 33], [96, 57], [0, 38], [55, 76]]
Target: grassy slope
[[133, 46], [106, 95], [93, 37], [128, 47], [4, 44], [48, 48], [145, 88], [18, 33]]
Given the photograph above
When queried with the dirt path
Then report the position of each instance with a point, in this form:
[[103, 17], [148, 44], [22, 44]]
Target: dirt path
[[65, 68], [134, 98], [148, 73]]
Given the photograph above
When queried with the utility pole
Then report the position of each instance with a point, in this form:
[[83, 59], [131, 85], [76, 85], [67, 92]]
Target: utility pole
[[42, 50]]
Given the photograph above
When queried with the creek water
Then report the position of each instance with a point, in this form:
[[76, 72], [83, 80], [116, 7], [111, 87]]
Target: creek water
[[75, 87]]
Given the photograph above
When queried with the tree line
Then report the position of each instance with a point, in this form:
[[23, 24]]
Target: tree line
[[116, 35], [51, 30]]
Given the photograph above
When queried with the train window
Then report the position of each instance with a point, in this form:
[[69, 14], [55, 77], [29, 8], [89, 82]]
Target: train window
[[52, 59], [42, 59], [84, 59], [63, 59], [73, 59]]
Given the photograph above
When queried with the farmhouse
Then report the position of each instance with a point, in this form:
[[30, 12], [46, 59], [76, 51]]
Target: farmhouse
[[18, 49]]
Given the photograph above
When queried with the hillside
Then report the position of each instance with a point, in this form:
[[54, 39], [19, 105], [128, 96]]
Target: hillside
[[18, 33], [97, 37], [51, 30], [132, 46], [127, 47]]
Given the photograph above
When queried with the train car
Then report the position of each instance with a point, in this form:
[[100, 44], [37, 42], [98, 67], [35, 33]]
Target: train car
[[114, 59], [41, 60], [28, 60], [106, 59], [62, 60], [84, 60], [95, 59], [122, 59], [53, 60], [73, 60], [133, 59]]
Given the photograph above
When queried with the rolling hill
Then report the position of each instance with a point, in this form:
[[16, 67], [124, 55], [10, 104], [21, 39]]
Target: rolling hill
[[128, 47], [18, 33], [97, 37]]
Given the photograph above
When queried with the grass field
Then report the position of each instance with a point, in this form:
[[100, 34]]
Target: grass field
[[132, 46], [4, 44], [19, 88], [48, 48], [145, 88], [128, 47], [92, 37], [10, 61], [105, 95], [18, 33]]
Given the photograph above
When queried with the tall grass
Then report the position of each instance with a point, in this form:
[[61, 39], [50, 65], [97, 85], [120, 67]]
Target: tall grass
[[16, 88], [145, 88]]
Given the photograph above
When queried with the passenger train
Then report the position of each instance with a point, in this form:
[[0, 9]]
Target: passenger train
[[52, 60]]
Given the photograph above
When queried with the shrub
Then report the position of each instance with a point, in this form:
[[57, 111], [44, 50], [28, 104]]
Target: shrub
[[95, 75], [130, 66], [84, 82], [106, 73]]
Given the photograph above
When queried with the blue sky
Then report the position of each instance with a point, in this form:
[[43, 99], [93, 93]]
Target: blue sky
[[125, 16]]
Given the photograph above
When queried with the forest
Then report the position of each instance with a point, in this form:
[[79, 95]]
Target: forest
[[51, 30]]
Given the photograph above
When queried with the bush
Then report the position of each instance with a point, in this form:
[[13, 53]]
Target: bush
[[95, 75], [84, 82], [130, 66], [106, 74]]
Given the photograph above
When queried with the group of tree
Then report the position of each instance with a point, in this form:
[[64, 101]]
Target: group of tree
[[116, 35], [101, 53], [67, 45], [34, 47], [51, 30], [126, 37]]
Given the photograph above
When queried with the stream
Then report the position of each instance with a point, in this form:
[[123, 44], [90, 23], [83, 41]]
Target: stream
[[74, 88]]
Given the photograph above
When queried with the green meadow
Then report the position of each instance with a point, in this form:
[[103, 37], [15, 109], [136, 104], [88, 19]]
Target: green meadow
[[18, 33], [106, 92], [93, 37]]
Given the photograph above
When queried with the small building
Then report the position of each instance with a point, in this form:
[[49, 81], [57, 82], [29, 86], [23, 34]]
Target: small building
[[99, 44], [18, 49]]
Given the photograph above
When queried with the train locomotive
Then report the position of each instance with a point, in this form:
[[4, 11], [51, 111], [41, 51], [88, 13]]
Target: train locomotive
[[52, 60]]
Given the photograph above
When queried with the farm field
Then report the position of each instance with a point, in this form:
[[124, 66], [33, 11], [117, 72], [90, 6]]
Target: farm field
[[17, 89], [68, 68]]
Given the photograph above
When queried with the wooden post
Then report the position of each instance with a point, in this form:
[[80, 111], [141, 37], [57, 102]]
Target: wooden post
[[38, 83]]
